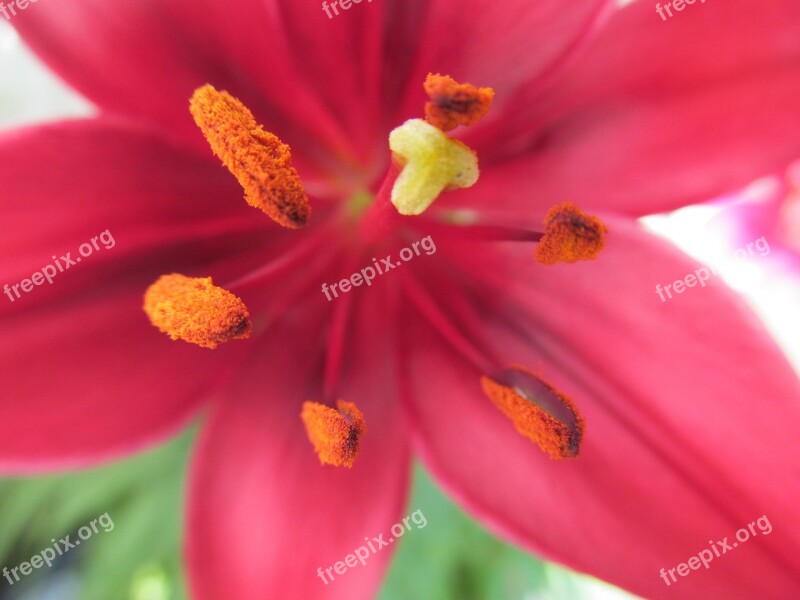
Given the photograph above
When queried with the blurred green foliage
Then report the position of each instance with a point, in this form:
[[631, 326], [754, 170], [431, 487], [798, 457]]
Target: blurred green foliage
[[452, 558], [143, 498]]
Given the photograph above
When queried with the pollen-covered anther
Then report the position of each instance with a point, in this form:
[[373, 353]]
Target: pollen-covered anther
[[570, 235], [259, 160], [539, 411], [193, 309], [335, 433], [453, 104], [431, 164]]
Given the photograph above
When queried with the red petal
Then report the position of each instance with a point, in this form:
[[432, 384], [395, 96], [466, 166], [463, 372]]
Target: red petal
[[85, 376], [691, 424], [264, 514], [147, 59], [660, 127], [520, 45]]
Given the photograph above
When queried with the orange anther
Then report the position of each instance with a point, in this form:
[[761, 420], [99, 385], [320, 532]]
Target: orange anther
[[195, 310], [257, 158], [335, 433], [453, 104]]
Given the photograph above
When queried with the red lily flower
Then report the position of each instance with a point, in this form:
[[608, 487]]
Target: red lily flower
[[691, 411]]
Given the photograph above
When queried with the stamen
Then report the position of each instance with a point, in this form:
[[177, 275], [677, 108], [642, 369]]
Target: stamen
[[432, 163], [193, 309], [539, 411], [453, 104], [570, 235], [335, 433], [258, 159]]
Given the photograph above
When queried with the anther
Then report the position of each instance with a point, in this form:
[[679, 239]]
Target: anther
[[453, 104], [539, 411], [193, 309], [259, 160], [335, 433], [570, 235]]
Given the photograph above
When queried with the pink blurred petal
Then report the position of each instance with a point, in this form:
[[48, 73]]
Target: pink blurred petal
[[691, 423], [676, 121], [88, 379], [109, 174], [146, 59], [80, 367], [519, 45], [290, 515]]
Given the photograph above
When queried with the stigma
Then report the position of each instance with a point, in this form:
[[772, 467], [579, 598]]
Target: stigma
[[431, 161], [539, 411], [193, 309], [259, 160], [335, 433], [570, 235]]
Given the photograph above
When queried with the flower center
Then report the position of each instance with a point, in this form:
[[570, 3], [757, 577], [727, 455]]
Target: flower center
[[358, 203], [426, 163], [430, 160]]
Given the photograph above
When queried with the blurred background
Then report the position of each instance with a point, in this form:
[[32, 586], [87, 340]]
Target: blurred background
[[453, 559]]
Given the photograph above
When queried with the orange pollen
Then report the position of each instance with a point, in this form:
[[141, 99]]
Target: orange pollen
[[193, 309], [335, 433], [570, 235], [453, 104], [539, 411], [260, 162]]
